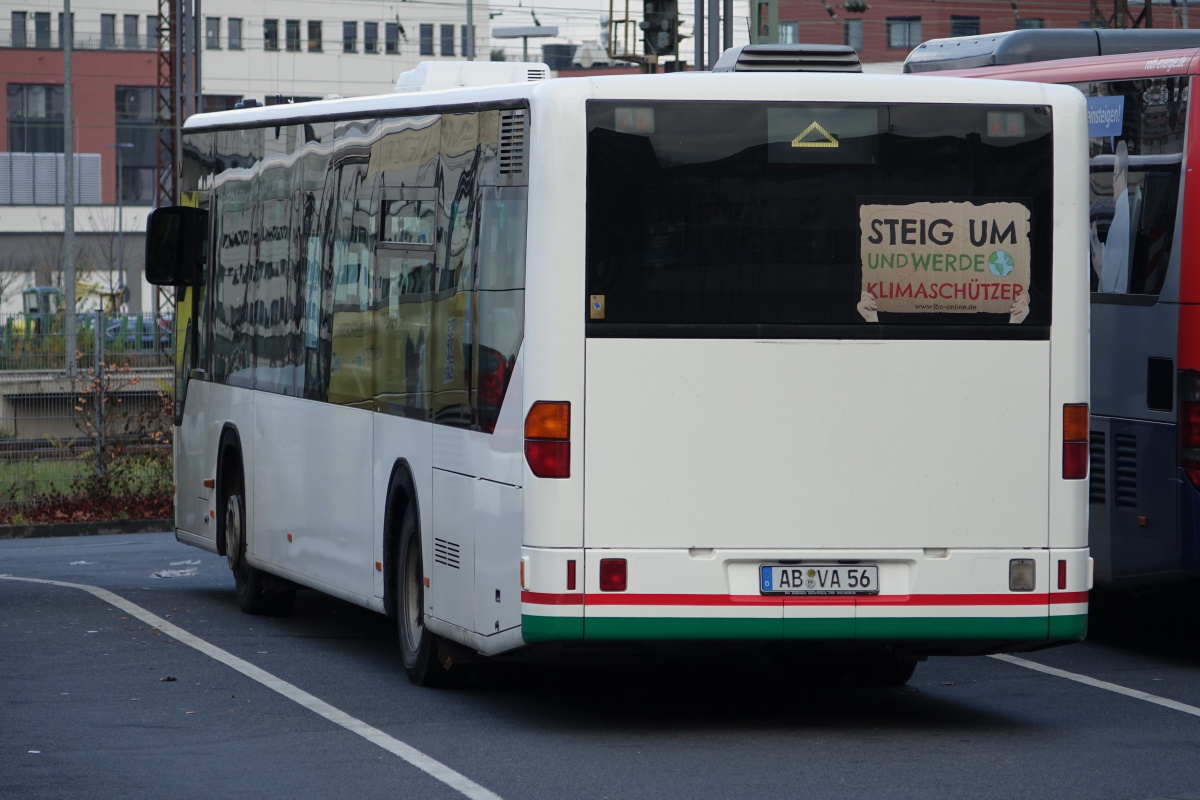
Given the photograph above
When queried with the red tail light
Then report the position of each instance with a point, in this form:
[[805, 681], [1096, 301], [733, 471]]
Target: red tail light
[[613, 575], [1189, 425], [548, 439], [1075, 441]]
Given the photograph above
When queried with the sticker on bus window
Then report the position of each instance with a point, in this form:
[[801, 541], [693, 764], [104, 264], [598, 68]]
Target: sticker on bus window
[[945, 258]]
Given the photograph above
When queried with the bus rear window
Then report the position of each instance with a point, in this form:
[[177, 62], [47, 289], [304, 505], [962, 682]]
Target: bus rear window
[[850, 220]]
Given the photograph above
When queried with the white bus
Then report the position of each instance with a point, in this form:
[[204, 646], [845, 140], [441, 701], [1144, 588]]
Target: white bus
[[749, 361]]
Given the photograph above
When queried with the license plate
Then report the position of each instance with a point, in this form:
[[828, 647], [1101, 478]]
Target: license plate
[[818, 579]]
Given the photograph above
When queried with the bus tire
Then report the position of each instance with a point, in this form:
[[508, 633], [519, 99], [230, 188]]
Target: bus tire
[[418, 646], [257, 592]]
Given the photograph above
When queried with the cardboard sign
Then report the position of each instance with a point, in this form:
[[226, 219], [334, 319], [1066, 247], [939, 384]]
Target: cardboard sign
[[952, 258]]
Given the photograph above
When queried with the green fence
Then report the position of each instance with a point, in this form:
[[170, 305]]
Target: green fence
[[90, 438]]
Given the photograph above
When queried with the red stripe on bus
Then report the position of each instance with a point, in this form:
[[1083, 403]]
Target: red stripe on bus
[[545, 599], [540, 598]]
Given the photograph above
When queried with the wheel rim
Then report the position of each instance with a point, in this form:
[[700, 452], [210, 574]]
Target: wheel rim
[[413, 627], [233, 531]]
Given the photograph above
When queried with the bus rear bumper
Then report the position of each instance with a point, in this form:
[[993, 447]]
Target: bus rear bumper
[[933, 600]]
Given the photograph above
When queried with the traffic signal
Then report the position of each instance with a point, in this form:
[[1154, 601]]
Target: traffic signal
[[660, 26]]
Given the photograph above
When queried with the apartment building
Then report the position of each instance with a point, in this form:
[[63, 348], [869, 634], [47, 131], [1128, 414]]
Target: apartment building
[[268, 51]]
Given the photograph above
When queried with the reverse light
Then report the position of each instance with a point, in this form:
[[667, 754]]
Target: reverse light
[[1021, 575], [548, 439], [1075, 441], [613, 575]]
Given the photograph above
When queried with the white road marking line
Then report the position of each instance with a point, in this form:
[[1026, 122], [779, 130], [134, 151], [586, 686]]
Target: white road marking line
[[1099, 684], [426, 764], [72, 546]]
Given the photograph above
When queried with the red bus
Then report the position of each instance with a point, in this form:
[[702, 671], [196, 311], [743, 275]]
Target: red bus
[[1145, 247]]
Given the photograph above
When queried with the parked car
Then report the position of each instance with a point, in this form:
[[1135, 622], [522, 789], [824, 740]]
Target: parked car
[[138, 332]]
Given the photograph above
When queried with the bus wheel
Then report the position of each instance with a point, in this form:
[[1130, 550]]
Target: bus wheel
[[257, 592], [418, 647]]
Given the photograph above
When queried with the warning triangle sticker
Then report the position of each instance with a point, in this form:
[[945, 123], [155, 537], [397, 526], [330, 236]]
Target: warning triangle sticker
[[826, 139]]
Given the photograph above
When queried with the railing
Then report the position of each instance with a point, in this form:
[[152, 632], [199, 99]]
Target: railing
[[93, 437], [32, 41], [38, 342]]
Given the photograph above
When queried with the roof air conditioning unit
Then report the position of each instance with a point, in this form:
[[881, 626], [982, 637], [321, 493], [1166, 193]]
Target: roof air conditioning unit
[[435, 75]]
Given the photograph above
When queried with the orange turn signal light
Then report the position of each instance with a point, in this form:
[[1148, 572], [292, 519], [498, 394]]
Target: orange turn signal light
[[547, 420], [1075, 422]]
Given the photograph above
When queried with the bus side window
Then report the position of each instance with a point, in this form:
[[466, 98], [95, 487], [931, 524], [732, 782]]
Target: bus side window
[[1135, 181]]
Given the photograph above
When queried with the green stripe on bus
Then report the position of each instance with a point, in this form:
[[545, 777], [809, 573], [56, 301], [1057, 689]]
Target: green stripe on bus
[[951, 628], [546, 629], [681, 628], [1071, 628], [551, 629]]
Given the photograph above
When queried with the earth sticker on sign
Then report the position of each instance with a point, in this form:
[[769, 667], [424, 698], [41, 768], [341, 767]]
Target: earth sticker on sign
[[945, 257]]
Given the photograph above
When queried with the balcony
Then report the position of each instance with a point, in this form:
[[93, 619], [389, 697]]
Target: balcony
[[44, 41]]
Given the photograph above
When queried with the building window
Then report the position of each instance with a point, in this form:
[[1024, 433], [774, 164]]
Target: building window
[[964, 26], [853, 34], [903, 32], [314, 36], [391, 38], [130, 33], [41, 29], [212, 33], [153, 31], [468, 46], [35, 118], [789, 32], [136, 141], [349, 37], [426, 40], [18, 29], [293, 36], [108, 31], [447, 40], [270, 34], [1030, 24], [370, 37], [235, 33]]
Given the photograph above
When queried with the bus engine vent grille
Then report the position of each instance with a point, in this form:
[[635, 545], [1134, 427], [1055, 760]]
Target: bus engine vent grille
[[512, 141], [533, 75], [445, 553], [1125, 486], [789, 58], [1098, 475]]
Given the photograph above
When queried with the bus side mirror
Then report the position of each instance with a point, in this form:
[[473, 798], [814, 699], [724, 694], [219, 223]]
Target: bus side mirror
[[176, 246]]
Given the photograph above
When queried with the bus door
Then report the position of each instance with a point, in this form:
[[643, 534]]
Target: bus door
[[194, 500]]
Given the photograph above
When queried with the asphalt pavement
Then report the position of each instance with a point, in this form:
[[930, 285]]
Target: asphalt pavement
[[149, 683]]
